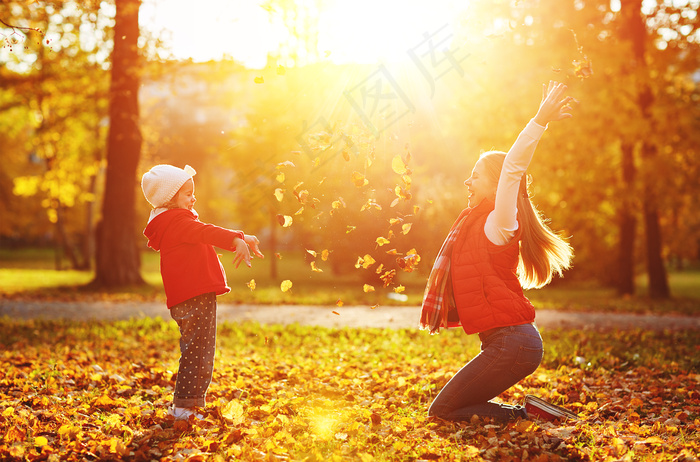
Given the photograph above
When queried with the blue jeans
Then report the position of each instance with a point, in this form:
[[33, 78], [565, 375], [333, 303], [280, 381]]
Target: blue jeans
[[508, 355]]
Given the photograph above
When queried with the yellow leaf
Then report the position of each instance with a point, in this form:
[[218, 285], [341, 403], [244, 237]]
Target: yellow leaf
[[398, 166], [233, 412], [339, 302], [286, 285], [315, 268], [279, 194], [251, 284], [259, 80], [382, 240], [280, 177], [350, 229], [406, 228], [324, 254], [368, 288], [286, 163], [41, 441], [399, 289], [359, 179], [285, 220]]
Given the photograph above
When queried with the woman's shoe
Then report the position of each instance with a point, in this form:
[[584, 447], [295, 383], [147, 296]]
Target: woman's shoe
[[536, 407]]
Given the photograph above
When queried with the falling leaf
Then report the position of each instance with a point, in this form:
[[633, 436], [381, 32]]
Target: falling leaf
[[315, 268], [406, 228], [359, 179], [371, 203], [251, 284], [339, 302], [368, 288], [280, 177], [398, 165], [583, 68], [278, 255], [286, 285], [394, 221], [279, 194], [350, 229], [335, 312], [399, 289], [259, 80], [300, 211], [285, 220], [382, 241], [311, 252], [286, 163], [324, 254]]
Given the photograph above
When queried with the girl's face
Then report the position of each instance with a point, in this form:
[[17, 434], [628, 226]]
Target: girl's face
[[184, 199], [480, 185]]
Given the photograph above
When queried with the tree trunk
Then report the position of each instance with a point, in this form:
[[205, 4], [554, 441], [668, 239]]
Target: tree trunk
[[628, 225], [117, 256], [658, 278]]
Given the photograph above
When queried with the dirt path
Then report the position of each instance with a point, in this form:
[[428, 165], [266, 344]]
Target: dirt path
[[347, 316]]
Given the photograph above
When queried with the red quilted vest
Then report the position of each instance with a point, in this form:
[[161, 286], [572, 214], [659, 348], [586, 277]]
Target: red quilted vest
[[484, 281]]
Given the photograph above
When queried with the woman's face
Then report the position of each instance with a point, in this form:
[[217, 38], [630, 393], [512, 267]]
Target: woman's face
[[184, 199], [480, 185]]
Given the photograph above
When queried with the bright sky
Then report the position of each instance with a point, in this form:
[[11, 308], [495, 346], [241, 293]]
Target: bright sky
[[349, 30]]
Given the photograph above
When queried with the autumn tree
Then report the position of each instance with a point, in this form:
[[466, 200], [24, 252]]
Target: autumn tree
[[117, 258], [61, 85]]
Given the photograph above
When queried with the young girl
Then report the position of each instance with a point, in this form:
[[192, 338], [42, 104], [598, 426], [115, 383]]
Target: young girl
[[192, 276], [497, 246]]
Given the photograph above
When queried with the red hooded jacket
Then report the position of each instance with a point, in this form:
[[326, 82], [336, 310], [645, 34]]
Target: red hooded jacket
[[189, 264]]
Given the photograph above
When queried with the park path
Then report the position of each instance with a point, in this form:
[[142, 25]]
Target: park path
[[347, 316]]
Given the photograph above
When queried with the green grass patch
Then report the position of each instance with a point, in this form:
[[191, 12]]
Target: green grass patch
[[100, 391]]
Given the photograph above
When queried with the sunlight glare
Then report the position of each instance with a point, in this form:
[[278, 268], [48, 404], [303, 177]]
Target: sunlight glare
[[361, 31]]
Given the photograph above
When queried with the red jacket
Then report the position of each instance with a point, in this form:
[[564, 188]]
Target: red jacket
[[484, 280], [189, 264]]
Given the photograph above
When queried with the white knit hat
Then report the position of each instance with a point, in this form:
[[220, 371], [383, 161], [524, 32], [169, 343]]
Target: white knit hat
[[162, 182]]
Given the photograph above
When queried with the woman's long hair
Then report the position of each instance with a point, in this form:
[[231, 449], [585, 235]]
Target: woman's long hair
[[542, 251]]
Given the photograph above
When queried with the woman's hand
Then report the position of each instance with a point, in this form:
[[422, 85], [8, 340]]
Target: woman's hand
[[242, 252], [254, 244], [554, 105]]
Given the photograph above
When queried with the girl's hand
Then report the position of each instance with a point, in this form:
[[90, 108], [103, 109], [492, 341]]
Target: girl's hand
[[254, 244], [242, 252], [553, 106]]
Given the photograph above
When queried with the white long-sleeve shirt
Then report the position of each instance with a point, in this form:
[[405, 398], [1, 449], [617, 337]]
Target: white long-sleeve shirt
[[501, 224]]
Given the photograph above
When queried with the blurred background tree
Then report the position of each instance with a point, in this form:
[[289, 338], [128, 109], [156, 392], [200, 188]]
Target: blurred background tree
[[289, 138]]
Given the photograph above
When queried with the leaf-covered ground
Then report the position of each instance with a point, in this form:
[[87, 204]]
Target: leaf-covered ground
[[78, 391]]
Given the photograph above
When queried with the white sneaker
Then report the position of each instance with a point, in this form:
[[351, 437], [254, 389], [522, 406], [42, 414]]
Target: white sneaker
[[184, 413]]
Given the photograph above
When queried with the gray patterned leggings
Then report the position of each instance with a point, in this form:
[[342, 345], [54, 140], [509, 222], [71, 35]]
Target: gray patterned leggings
[[196, 318]]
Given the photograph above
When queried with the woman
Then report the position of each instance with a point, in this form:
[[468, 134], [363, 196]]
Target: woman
[[497, 246]]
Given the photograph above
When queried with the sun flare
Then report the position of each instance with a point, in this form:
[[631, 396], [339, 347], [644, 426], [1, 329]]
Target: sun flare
[[362, 31]]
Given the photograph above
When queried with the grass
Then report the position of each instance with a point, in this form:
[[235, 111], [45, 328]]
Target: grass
[[29, 273], [86, 391]]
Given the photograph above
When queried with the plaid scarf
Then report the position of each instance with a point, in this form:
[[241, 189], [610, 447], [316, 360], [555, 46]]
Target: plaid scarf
[[438, 299]]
